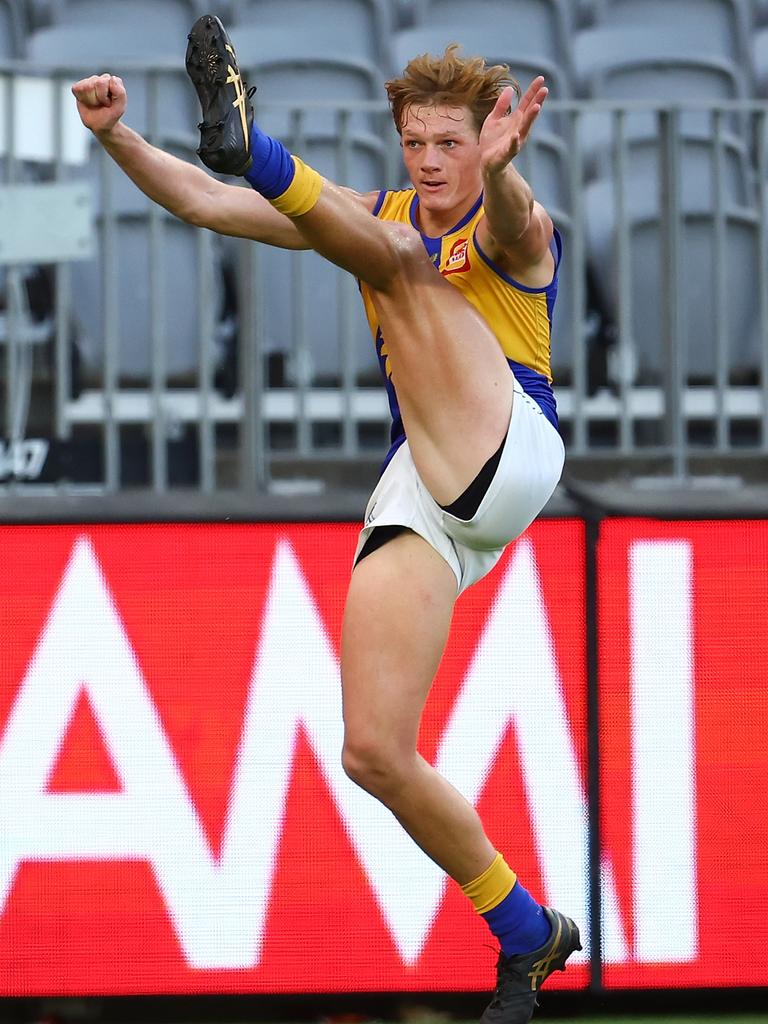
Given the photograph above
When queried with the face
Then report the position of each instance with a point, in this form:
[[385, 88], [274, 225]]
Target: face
[[442, 157]]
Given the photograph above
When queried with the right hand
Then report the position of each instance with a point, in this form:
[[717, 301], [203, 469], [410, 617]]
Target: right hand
[[505, 130], [101, 101]]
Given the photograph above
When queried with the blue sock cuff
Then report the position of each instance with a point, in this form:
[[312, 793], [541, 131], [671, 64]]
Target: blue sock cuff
[[518, 922], [272, 169]]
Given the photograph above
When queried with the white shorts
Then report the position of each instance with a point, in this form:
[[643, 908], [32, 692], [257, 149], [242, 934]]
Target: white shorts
[[528, 472]]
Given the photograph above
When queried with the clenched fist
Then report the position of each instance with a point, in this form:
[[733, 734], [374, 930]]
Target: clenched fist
[[101, 101]]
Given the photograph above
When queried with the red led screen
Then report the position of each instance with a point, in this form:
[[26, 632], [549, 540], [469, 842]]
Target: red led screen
[[174, 813]]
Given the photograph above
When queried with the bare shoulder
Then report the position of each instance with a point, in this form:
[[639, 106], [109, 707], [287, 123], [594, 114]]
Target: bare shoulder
[[529, 258]]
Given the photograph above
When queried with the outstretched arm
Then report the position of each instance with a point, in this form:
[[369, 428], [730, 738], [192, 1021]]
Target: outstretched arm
[[515, 228], [183, 189]]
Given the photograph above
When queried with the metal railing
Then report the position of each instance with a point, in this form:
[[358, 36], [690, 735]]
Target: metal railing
[[173, 343]]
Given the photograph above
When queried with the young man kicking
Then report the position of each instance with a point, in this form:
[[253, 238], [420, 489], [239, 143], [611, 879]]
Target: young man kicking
[[459, 277]]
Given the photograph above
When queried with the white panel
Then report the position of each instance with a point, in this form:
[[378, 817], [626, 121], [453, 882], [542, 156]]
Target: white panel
[[34, 121], [663, 751], [46, 223]]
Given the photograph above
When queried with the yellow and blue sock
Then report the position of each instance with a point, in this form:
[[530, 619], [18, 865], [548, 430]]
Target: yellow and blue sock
[[512, 914], [288, 183]]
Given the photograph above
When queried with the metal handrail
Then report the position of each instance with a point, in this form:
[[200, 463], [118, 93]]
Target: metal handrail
[[285, 403]]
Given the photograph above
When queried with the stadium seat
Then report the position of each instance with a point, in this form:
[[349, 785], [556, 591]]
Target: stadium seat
[[543, 162], [174, 15], [177, 282], [644, 67], [123, 269], [645, 64], [13, 29], [321, 285], [693, 26], [302, 296], [697, 156], [288, 69], [760, 61], [697, 285], [146, 61], [539, 27], [358, 28], [490, 41]]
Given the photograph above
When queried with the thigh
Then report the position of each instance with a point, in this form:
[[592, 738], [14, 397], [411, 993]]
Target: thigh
[[396, 624], [453, 382]]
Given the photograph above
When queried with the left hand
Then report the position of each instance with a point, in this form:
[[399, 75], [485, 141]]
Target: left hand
[[505, 131]]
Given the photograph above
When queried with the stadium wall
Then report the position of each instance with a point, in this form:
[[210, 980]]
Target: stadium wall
[[174, 817]]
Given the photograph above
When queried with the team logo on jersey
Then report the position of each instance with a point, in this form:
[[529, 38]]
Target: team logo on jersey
[[458, 259]]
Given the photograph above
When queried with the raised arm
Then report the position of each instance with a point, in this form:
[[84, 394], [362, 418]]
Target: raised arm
[[183, 189], [516, 230]]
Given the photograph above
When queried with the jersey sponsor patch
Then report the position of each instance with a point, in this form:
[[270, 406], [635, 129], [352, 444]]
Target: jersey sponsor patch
[[458, 258]]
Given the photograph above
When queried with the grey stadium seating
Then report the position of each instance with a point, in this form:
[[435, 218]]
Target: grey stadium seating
[[306, 56], [288, 69], [642, 64], [13, 29], [697, 285], [125, 216], [176, 14], [89, 49], [358, 28], [539, 26], [321, 284], [151, 38], [693, 26], [759, 57], [485, 41], [611, 63]]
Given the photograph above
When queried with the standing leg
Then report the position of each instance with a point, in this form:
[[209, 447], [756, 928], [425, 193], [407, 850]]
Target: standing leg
[[390, 652]]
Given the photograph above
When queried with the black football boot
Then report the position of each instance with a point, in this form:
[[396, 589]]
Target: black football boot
[[225, 131], [518, 978]]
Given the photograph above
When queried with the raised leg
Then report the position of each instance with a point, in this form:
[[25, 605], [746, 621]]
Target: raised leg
[[452, 379], [453, 383]]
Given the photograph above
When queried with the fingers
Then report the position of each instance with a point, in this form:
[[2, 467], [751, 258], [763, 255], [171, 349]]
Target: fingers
[[534, 95], [531, 114], [503, 103], [532, 91], [529, 105], [98, 90], [116, 88]]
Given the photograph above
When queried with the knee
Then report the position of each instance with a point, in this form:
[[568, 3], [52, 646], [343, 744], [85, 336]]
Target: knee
[[376, 766]]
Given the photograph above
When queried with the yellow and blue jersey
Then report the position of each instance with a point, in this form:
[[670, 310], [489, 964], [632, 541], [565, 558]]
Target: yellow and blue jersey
[[519, 316]]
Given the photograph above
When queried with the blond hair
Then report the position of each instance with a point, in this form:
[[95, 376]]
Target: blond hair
[[450, 81]]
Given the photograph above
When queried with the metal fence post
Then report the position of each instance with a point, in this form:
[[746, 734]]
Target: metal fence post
[[674, 331]]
